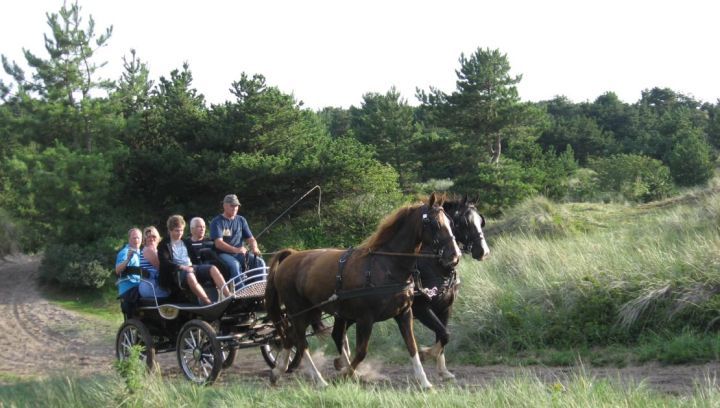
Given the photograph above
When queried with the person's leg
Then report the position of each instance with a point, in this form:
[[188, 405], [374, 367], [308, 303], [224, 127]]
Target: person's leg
[[211, 274], [235, 269], [219, 281], [253, 274], [197, 289]]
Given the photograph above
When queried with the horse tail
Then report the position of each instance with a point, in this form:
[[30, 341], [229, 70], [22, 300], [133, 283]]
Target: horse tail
[[272, 299]]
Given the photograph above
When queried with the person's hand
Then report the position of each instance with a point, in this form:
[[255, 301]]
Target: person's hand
[[242, 250]]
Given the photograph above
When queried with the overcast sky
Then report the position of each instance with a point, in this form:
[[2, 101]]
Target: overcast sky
[[330, 53]]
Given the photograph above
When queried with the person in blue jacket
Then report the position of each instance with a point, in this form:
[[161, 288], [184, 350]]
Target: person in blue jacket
[[127, 262]]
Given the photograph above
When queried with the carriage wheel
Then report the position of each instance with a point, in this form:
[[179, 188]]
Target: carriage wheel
[[228, 354], [133, 332], [199, 352], [270, 352]]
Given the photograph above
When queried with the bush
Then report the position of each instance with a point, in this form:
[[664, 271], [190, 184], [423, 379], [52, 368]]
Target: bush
[[76, 266], [498, 187], [690, 162], [346, 222], [583, 186], [638, 178], [8, 234], [536, 216]]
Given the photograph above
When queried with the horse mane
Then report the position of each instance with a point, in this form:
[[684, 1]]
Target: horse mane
[[454, 202], [388, 227]]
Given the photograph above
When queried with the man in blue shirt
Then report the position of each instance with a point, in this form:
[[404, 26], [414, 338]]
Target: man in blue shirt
[[129, 257], [230, 231]]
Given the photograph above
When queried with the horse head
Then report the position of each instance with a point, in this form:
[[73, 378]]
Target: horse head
[[467, 227], [438, 233]]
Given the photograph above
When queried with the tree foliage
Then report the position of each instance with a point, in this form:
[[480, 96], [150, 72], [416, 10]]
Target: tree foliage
[[386, 122], [83, 158], [484, 104], [636, 177]]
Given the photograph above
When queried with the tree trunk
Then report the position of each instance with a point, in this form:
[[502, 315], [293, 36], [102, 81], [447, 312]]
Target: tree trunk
[[496, 150]]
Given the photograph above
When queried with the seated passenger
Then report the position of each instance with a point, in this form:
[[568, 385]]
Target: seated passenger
[[175, 260], [127, 263], [150, 286], [197, 241]]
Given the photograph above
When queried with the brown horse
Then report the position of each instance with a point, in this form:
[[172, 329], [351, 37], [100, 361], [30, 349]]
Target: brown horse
[[434, 307], [369, 284]]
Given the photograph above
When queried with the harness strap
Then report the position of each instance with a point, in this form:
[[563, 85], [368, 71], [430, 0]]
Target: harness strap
[[341, 267], [354, 293]]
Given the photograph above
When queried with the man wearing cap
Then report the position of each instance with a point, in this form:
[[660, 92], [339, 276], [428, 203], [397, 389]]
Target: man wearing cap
[[229, 231]]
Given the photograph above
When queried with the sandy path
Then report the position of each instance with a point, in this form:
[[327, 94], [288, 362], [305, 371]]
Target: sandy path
[[38, 339]]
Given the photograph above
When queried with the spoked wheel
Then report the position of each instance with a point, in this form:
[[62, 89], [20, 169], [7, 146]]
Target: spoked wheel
[[134, 333], [271, 350], [199, 352], [228, 355]]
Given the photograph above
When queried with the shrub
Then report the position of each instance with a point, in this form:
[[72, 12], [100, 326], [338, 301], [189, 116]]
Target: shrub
[[536, 216], [8, 234], [132, 369], [498, 187], [638, 178], [690, 162], [79, 266]]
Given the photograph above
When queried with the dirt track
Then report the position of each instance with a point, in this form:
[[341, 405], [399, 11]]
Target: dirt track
[[38, 339]]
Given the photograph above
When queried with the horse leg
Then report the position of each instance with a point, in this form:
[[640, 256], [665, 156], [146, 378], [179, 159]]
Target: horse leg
[[281, 365], [444, 316], [427, 317], [339, 335], [314, 372], [302, 348], [405, 324], [363, 330]]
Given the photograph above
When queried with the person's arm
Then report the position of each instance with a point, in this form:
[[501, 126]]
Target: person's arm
[[252, 243], [152, 257], [225, 247], [123, 259], [249, 238]]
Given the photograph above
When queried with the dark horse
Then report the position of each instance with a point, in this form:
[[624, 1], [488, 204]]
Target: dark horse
[[433, 309], [432, 305], [369, 284]]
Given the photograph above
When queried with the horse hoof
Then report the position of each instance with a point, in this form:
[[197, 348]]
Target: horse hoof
[[274, 377], [337, 363], [447, 376]]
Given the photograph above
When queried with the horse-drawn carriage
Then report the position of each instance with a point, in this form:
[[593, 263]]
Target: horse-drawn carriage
[[205, 338], [346, 285]]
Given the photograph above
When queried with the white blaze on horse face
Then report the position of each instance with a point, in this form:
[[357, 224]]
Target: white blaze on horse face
[[476, 221], [447, 225]]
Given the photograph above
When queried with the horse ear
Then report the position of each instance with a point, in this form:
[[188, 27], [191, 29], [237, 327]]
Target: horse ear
[[464, 199], [431, 201]]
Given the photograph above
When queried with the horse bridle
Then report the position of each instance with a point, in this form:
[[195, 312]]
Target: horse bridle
[[467, 239], [438, 244]]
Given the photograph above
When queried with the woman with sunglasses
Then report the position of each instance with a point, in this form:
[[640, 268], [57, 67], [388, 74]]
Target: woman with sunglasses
[[149, 262]]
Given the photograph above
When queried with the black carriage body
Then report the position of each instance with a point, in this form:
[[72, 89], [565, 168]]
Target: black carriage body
[[195, 331]]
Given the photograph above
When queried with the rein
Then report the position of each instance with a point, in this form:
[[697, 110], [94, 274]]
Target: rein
[[355, 293], [414, 255]]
